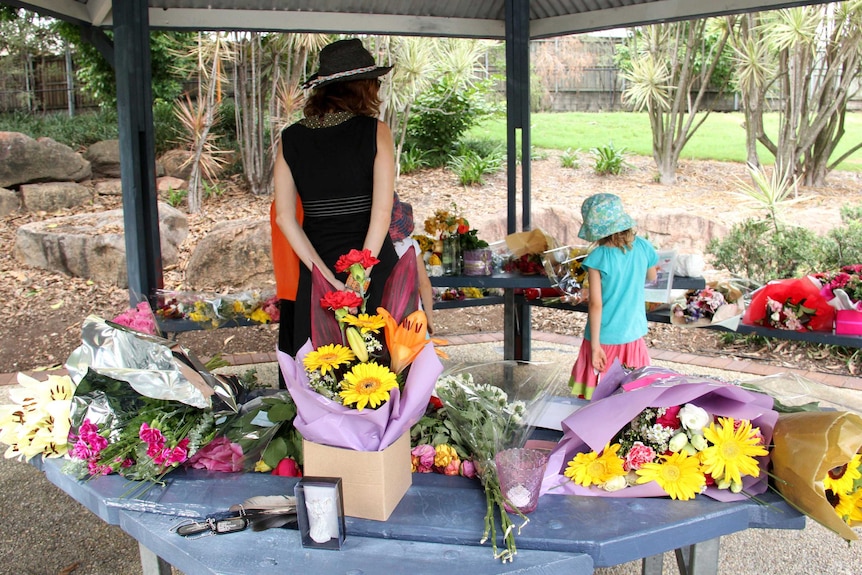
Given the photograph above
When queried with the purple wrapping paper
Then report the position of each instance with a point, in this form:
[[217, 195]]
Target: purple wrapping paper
[[327, 422], [593, 426]]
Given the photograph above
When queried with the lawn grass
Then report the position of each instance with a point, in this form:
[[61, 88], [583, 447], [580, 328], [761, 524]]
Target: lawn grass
[[721, 137]]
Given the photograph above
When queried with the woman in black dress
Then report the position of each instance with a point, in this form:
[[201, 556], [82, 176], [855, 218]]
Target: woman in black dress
[[339, 160]]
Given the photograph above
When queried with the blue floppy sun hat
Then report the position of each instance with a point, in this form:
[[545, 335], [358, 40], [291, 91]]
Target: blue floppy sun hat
[[603, 216]]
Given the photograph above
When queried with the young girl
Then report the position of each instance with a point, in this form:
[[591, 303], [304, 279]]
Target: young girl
[[618, 267]]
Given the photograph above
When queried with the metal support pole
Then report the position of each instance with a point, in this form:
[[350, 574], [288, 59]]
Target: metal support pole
[[516, 317], [137, 147]]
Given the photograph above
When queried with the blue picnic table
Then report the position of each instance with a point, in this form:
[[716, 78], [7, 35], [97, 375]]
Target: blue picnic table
[[435, 528]]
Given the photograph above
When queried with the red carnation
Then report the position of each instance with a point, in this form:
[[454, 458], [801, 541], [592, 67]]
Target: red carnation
[[670, 418], [364, 258], [463, 228], [339, 299]]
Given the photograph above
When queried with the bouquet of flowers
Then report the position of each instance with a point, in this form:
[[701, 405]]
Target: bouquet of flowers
[[664, 434], [216, 310], [818, 467], [37, 421], [563, 267], [363, 380], [261, 438], [718, 303], [481, 420], [116, 430], [525, 264], [842, 288], [793, 304]]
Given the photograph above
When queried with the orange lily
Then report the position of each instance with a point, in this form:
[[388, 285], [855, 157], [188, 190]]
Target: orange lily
[[404, 340], [437, 343]]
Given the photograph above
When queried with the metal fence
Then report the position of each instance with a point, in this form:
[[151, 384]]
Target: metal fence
[[41, 84]]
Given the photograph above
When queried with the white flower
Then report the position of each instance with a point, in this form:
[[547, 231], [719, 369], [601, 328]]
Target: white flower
[[694, 418], [678, 442], [699, 442], [615, 484]]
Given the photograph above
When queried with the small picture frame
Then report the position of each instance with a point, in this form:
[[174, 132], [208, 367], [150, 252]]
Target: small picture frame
[[658, 291], [320, 512]]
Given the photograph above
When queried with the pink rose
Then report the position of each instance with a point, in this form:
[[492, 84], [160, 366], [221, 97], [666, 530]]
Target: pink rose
[[287, 467], [422, 458], [468, 468], [670, 418], [638, 455], [454, 467], [218, 455]]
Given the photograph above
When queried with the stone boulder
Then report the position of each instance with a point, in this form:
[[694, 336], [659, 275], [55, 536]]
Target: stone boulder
[[54, 196], [679, 230], [92, 246], [174, 164], [25, 160], [667, 230], [112, 187], [104, 158], [9, 202], [235, 254]]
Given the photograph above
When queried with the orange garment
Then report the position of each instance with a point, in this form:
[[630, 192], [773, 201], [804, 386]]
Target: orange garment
[[285, 262]]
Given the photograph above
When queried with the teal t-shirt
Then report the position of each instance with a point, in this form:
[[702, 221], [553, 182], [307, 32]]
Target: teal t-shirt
[[623, 294]]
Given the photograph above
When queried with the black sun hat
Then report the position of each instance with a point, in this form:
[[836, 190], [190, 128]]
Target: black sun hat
[[343, 61]]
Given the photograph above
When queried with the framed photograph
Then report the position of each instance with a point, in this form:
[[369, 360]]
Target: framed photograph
[[320, 512], [658, 291]]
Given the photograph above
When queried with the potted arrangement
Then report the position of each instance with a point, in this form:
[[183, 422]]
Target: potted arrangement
[[476, 253]]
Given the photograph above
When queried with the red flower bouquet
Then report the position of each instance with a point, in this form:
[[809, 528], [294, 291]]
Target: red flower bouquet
[[792, 304]]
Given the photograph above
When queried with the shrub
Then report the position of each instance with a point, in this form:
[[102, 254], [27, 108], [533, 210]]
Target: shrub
[[755, 250], [570, 159], [166, 126], [412, 159], [609, 160], [76, 132], [177, 197], [471, 167], [843, 245], [443, 113]]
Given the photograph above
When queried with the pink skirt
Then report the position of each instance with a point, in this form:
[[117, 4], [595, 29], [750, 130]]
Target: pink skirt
[[584, 378]]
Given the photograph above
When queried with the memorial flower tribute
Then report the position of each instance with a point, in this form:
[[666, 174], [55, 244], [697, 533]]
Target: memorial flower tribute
[[476, 421], [363, 379], [791, 304], [654, 432], [211, 310]]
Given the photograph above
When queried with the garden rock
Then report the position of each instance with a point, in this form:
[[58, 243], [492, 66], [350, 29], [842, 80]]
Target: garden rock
[[112, 187], [167, 184], [92, 246], [24, 160], [666, 229], [679, 230], [54, 196], [9, 202], [233, 254], [104, 158], [175, 163]]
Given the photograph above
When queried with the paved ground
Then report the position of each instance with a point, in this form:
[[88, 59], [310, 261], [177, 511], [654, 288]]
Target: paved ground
[[46, 532]]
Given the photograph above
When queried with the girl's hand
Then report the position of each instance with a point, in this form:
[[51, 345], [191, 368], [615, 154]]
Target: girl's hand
[[600, 360]]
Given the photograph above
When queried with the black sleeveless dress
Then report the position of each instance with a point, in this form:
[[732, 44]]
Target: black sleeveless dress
[[332, 163]]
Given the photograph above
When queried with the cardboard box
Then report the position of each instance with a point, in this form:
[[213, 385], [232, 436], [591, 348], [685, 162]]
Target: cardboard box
[[373, 481], [848, 322]]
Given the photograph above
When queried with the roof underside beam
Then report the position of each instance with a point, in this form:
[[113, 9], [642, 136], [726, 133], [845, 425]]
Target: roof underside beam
[[326, 22], [651, 13]]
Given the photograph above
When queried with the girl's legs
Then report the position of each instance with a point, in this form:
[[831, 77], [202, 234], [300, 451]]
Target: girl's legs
[[584, 378]]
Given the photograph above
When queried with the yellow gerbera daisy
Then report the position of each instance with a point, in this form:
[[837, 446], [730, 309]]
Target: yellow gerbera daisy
[[840, 480], [367, 384], [593, 469], [327, 358], [732, 453], [678, 474], [365, 322], [849, 507]]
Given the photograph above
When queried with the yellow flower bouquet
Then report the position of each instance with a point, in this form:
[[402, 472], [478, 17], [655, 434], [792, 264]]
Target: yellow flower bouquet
[[363, 379], [665, 433]]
